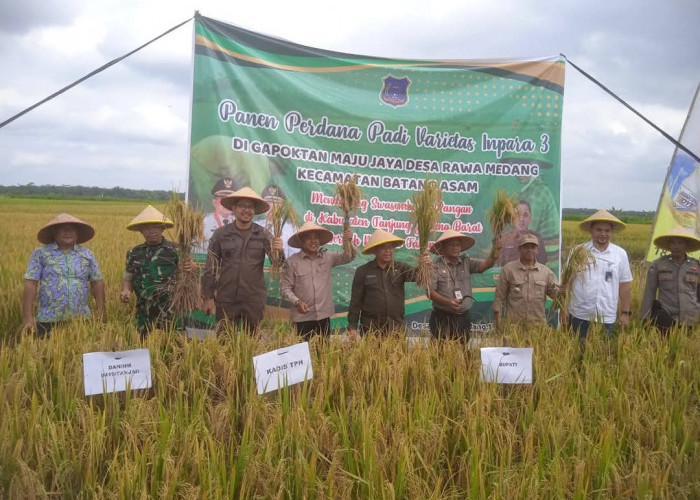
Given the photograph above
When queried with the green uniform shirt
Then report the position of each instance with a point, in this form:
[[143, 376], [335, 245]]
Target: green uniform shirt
[[378, 295], [151, 270]]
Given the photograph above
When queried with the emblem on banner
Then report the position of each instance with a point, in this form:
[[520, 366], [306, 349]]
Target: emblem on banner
[[395, 90]]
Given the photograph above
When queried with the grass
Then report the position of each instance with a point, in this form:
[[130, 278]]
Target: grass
[[379, 420]]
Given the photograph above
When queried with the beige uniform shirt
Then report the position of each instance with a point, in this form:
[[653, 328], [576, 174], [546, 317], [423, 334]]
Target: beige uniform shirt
[[677, 287], [524, 290], [308, 279], [449, 277]]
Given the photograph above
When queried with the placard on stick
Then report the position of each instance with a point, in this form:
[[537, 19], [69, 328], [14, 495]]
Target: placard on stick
[[506, 365], [285, 366], [200, 333], [112, 371]]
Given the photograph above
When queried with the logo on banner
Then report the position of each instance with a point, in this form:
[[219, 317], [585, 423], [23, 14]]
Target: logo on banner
[[395, 90]]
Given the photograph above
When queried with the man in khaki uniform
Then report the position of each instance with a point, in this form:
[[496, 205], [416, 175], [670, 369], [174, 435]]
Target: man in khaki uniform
[[306, 282], [451, 285], [524, 285], [233, 285], [674, 278]]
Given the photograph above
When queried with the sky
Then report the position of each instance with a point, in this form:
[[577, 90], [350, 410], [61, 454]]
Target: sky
[[128, 126]]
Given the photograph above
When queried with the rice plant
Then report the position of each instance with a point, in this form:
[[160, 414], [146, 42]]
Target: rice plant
[[280, 213], [380, 419], [427, 206], [577, 262], [349, 197], [501, 215], [185, 291]]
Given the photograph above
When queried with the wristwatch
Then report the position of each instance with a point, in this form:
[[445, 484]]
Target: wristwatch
[[628, 313]]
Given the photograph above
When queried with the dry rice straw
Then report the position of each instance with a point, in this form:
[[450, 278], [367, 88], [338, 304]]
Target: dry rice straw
[[280, 213], [501, 215], [189, 231], [427, 206], [578, 260], [349, 196]]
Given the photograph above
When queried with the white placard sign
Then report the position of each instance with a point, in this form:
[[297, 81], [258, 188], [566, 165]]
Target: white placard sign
[[286, 366], [506, 365], [200, 333], [111, 371]]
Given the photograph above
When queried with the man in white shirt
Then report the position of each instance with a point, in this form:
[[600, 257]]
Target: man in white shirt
[[597, 292]]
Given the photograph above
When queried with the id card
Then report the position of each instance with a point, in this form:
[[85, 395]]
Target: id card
[[458, 295]]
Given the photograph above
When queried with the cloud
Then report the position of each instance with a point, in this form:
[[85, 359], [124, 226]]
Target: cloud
[[20, 17], [128, 125]]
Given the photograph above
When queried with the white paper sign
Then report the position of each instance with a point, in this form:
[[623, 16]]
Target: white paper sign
[[506, 365], [286, 366], [200, 333], [111, 371]]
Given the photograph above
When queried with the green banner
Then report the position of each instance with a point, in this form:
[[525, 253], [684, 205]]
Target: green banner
[[291, 120]]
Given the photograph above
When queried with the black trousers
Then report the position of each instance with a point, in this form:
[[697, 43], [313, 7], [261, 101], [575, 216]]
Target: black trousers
[[450, 326], [316, 327], [43, 328], [238, 320]]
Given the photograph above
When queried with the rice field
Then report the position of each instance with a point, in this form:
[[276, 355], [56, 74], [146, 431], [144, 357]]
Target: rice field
[[379, 420]]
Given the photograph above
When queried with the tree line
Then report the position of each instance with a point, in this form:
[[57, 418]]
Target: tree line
[[120, 193], [85, 192]]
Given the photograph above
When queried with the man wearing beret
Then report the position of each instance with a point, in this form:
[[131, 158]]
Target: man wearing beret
[[523, 286], [63, 272], [233, 285]]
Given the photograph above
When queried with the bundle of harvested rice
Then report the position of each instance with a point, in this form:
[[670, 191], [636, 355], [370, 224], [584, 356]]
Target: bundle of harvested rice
[[349, 196], [578, 260], [280, 213], [189, 232], [427, 206], [501, 215]]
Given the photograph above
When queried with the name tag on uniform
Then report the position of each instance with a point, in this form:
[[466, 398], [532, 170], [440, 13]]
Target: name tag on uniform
[[458, 295]]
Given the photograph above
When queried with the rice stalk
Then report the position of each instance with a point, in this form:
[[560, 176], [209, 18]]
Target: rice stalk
[[579, 259], [185, 290], [501, 215], [280, 213], [349, 196], [426, 214]]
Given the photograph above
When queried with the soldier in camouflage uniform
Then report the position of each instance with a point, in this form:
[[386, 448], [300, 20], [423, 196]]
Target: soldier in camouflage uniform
[[150, 270]]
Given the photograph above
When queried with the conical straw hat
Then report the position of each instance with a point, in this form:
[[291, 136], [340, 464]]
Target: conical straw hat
[[379, 237], [149, 215], [602, 216], [246, 193], [465, 241], [85, 230], [325, 235], [692, 241]]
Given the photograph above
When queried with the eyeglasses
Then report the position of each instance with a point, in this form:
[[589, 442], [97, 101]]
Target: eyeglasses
[[245, 206]]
